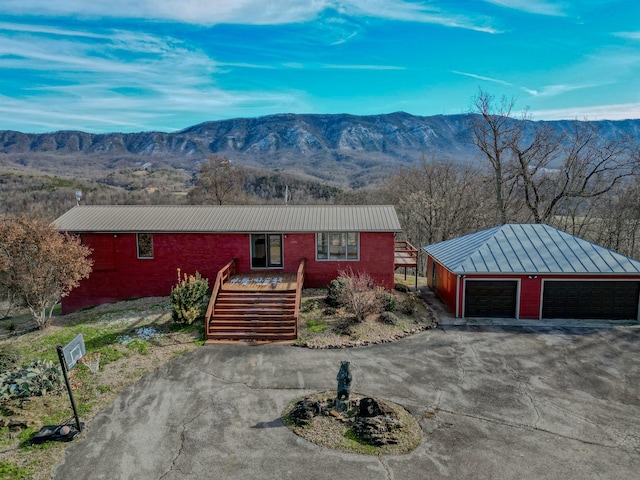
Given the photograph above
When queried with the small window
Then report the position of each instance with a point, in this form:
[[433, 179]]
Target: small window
[[322, 250], [337, 246], [145, 245]]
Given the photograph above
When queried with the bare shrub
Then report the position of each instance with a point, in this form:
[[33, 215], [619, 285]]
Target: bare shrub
[[360, 295]]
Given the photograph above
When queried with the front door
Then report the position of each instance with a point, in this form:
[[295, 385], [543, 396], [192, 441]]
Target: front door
[[266, 250]]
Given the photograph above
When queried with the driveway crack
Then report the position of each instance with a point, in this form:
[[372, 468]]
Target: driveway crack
[[386, 469], [182, 439], [533, 405], [529, 427]]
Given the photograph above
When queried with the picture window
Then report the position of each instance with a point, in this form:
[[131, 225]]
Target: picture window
[[337, 246]]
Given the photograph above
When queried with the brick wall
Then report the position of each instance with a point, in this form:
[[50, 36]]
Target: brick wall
[[118, 273]]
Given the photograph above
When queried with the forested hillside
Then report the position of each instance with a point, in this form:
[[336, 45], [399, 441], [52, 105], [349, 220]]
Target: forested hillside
[[342, 150], [446, 175]]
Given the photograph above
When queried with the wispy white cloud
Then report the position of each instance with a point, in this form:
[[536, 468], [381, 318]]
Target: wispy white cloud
[[545, 91], [540, 7], [482, 77], [120, 78], [28, 28], [248, 12], [345, 39], [628, 35], [621, 111], [553, 90], [361, 67]]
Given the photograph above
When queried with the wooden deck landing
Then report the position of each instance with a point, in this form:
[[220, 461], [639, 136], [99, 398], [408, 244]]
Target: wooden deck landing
[[405, 255], [267, 281], [405, 259]]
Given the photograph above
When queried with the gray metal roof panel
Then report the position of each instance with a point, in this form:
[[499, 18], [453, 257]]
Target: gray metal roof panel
[[528, 248], [229, 218]]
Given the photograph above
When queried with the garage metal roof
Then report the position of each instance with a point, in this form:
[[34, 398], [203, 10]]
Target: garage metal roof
[[230, 219], [528, 249]]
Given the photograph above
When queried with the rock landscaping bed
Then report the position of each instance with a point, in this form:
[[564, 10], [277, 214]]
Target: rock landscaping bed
[[371, 426], [324, 326]]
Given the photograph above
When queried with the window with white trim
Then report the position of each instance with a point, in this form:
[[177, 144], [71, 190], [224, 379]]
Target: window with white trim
[[337, 246], [145, 245]]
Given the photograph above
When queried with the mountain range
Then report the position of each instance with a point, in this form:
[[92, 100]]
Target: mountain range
[[340, 149]]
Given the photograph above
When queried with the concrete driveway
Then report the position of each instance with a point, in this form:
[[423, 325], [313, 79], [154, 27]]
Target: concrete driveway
[[494, 402]]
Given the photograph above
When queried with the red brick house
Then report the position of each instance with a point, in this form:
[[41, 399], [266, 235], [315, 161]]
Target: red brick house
[[138, 249], [533, 271]]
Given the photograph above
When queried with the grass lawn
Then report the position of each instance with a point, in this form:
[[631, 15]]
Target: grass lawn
[[133, 338]]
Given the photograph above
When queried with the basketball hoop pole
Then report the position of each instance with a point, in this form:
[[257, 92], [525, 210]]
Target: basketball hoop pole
[[63, 364]]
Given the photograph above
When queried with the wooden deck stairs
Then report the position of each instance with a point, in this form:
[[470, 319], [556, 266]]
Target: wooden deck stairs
[[254, 311], [254, 316]]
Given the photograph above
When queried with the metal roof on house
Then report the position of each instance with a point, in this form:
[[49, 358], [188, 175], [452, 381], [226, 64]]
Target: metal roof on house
[[529, 249], [230, 219]]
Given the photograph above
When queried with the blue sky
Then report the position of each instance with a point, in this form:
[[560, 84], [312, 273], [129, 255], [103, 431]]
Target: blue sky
[[139, 65]]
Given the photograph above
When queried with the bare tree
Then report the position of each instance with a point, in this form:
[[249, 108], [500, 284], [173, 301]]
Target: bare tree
[[550, 171], [531, 164], [39, 265], [493, 131], [618, 219], [579, 164], [439, 200], [218, 183]]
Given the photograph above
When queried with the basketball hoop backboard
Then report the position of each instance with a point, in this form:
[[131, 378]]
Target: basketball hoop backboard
[[73, 351]]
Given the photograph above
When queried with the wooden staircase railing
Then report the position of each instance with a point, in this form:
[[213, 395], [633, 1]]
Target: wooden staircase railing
[[299, 285], [223, 275], [405, 253], [253, 314]]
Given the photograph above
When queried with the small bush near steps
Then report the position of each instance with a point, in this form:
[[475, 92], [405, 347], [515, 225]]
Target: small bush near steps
[[389, 301], [189, 298], [335, 292]]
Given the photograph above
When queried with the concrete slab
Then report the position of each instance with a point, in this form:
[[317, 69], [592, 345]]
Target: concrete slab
[[494, 402]]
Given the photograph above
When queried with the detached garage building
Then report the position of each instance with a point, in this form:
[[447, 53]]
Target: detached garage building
[[533, 271]]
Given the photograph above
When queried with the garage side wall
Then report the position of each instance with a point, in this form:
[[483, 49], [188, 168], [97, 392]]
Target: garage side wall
[[443, 283]]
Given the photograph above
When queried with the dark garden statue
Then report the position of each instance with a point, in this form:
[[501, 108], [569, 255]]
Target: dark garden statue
[[344, 387]]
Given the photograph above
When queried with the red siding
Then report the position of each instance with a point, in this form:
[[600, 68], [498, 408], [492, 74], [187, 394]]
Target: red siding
[[376, 258], [446, 283], [118, 273]]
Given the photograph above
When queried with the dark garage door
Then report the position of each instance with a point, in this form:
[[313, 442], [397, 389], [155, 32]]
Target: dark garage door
[[612, 300], [490, 298]]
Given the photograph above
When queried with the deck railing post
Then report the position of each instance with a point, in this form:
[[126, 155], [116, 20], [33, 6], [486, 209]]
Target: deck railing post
[[224, 274]]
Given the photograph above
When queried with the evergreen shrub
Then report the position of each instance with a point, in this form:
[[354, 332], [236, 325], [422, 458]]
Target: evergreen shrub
[[189, 298]]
